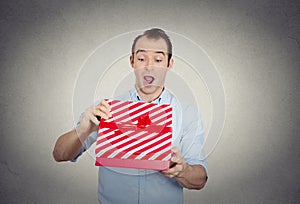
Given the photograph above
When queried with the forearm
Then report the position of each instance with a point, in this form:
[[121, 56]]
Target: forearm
[[67, 146], [192, 177]]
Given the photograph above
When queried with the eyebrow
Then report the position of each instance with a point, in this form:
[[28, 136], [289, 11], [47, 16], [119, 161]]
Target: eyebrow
[[158, 52]]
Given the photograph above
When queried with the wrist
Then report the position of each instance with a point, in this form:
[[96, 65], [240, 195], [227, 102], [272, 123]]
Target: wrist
[[81, 133]]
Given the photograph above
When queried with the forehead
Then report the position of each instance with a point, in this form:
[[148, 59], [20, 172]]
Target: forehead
[[145, 43]]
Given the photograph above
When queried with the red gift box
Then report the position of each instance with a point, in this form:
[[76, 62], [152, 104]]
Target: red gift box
[[138, 135]]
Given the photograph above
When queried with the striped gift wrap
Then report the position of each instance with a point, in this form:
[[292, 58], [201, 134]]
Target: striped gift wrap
[[138, 135]]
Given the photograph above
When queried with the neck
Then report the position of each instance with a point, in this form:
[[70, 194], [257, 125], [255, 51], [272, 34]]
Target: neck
[[149, 97]]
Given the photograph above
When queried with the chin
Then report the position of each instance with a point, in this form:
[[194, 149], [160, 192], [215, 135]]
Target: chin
[[149, 89]]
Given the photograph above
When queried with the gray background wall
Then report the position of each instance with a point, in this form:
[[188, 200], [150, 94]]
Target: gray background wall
[[254, 44]]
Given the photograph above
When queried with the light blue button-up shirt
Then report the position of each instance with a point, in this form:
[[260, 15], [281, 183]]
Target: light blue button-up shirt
[[139, 186]]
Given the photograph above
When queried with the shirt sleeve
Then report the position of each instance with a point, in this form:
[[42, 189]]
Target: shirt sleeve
[[192, 137], [86, 144]]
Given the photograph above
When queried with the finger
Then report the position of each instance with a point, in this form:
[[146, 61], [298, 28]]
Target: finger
[[105, 110], [104, 107], [105, 104], [94, 120], [176, 156], [171, 175], [176, 159], [175, 169], [167, 174], [101, 113], [175, 151]]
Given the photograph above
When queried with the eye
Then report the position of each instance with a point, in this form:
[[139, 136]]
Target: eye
[[158, 60], [141, 59]]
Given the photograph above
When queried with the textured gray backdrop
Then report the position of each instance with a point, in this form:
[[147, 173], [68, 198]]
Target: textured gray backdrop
[[254, 44]]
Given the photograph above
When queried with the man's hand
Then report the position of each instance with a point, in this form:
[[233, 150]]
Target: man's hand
[[89, 121], [189, 176], [179, 164], [69, 144]]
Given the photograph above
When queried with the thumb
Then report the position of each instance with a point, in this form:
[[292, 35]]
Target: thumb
[[176, 155]]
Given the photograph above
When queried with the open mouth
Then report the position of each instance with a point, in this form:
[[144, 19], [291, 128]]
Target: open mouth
[[148, 79]]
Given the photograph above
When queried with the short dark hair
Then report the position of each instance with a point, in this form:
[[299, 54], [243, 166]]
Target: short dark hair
[[155, 33]]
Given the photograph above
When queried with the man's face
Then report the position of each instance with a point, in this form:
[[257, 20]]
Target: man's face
[[150, 64]]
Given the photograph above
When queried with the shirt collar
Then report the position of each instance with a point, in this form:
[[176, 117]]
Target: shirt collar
[[163, 96]]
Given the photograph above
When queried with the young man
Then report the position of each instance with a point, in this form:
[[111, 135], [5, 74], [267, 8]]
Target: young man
[[151, 59]]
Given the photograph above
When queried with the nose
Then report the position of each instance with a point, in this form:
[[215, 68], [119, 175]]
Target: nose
[[148, 67], [149, 63]]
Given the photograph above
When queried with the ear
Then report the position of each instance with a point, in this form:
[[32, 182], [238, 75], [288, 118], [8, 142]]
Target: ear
[[171, 63], [131, 61]]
